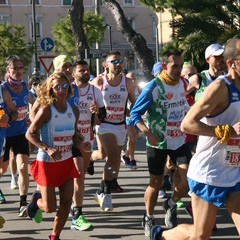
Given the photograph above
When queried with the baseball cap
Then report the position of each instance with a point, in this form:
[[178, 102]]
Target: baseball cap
[[60, 60], [214, 49], [157, 68]]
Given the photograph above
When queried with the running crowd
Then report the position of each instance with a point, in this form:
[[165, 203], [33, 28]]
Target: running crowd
[[192, 130]]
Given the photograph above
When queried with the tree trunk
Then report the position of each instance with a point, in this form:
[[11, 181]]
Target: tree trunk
[[136, 41], [76, 17]]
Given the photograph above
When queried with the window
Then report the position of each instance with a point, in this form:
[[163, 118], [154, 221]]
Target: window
[[3, 1], [66, 2], [131, 21], [3, 19], [95, 2], [128, 3], [38, 27], [36, 2]]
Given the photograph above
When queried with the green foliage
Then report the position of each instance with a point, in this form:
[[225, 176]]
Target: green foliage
[[63, 34], [197, 24], [12, 42]]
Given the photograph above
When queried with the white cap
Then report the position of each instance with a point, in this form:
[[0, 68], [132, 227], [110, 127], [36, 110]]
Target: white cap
[[214, 49]]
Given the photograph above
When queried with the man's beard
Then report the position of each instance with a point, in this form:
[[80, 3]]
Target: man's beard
[[84, 79]]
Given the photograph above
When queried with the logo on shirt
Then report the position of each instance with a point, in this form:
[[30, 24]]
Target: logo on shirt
[[235, 96], [25, 100], [89, 96], [69, 115], [122, 88], [115, 96], [168, 96]]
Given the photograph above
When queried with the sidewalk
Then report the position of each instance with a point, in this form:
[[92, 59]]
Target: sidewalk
[[124, 222]]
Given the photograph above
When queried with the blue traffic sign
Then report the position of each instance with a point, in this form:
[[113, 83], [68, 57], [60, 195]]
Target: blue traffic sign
[[47, 44]]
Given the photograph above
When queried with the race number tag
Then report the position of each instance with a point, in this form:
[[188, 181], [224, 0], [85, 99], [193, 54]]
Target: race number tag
[[233, 153], [173, 129], [63, 144]]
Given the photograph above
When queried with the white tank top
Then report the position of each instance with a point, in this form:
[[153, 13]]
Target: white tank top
[[84, 122], [58, 133], [115, 100], [214, 163]]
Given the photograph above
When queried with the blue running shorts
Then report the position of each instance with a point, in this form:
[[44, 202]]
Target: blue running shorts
[[211, 194]]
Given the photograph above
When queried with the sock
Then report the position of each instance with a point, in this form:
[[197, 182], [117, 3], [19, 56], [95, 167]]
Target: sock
[[107, 187], [171, 203], [23, 200], [14, 176], [101, 189], [54, 237], [77, 211], [150, 216]]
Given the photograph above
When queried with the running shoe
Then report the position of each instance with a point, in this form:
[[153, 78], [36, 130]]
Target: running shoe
[[81, 224], [38, 216], [2, 198], [133, 165], [162, 193], [104, 200], [170, 214], [180, 204], [2, 221], [56, 238], [156, 232], [90, 169], [14, 184], [147, 224], [23, 210], [32, 208], [125, 161]]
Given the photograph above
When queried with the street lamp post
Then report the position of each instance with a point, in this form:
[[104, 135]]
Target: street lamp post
[[97, 12], [35, 70], [109, 36], [157, 45]]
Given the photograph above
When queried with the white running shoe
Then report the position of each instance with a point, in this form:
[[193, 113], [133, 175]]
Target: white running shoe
[[14, 184], [104, 200]]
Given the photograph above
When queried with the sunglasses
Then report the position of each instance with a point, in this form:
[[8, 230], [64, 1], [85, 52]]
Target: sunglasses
[[117, 61], [64, 87], [17, 68]]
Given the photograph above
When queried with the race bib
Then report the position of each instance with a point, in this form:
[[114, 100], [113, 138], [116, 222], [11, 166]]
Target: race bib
[[173, 130], [63, 144], [233, 153]]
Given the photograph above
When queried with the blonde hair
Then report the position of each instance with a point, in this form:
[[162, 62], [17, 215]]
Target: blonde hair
[[45, 91]]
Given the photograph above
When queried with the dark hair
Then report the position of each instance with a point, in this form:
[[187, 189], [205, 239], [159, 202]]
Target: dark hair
[[168, 53], [113, 53], [79, 62]]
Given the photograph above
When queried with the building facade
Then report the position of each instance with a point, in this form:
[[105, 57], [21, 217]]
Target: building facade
[[47, 12]]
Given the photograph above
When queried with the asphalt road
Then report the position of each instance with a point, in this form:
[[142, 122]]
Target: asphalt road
[[124, 222]]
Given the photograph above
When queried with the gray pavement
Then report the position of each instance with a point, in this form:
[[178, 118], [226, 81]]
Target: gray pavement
[[124, 222]]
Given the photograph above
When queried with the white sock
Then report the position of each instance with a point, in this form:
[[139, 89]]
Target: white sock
[[14, 176]]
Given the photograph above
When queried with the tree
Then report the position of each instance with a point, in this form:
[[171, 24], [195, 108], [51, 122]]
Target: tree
[[12, 42], [197, 24], [137, 42], [65, 38]]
